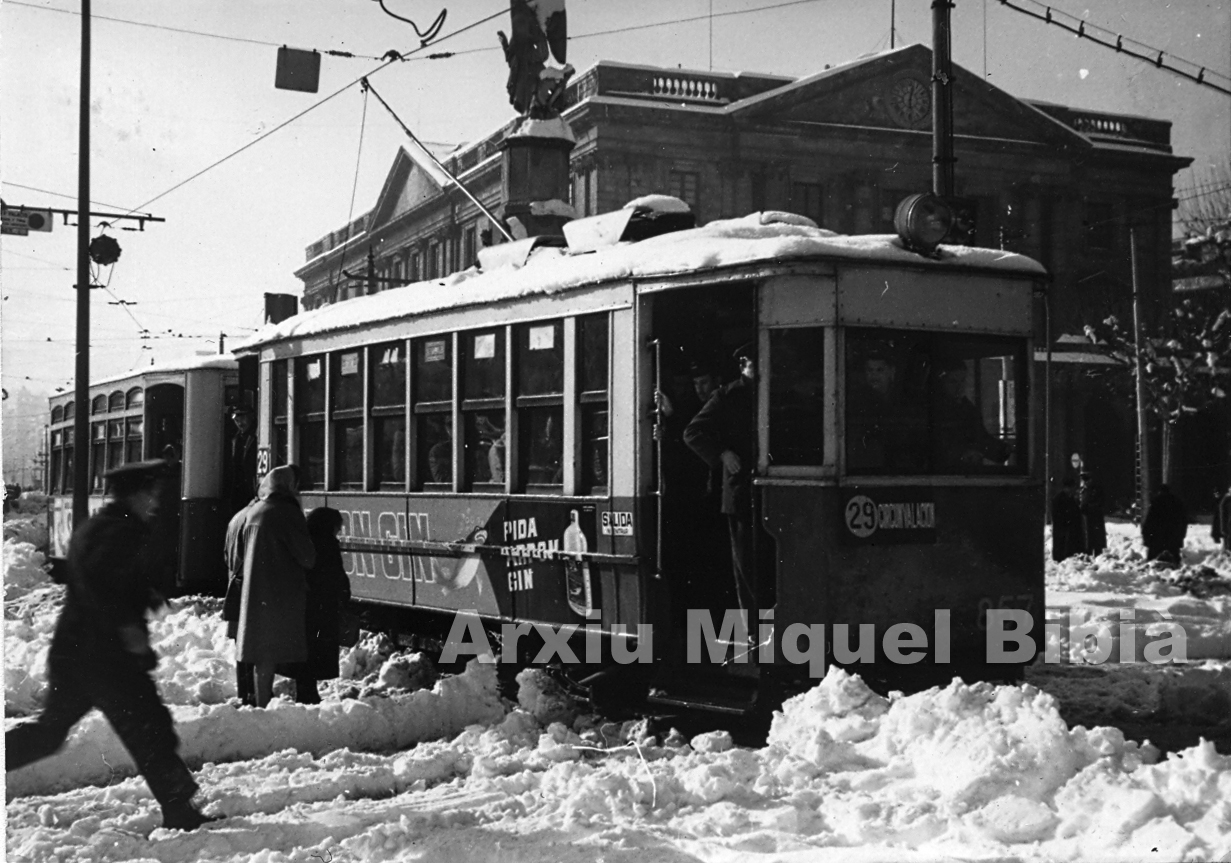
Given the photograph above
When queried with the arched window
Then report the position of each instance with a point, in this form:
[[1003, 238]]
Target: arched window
[[57, 414], [135, 397], [70, 411], [116, 401], [98, 405]]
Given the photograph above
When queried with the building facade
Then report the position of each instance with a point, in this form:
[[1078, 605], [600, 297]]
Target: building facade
[[1075, 189]]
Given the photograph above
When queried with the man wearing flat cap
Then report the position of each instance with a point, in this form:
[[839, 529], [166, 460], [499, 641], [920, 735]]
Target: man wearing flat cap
[[241, 458], [100, 654], [723, 434]]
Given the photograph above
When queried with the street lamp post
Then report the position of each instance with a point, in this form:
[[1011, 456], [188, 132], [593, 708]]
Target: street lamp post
[[81, 400]]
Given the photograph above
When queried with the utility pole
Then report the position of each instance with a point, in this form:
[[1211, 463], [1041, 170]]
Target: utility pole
[[1143, 442], [942, 100], [81, 400]]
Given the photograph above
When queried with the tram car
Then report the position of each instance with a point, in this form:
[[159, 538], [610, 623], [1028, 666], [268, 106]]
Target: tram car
[[509, 444], [145, 415]]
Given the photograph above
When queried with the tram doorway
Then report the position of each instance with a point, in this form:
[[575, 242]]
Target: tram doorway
[[699, 331]]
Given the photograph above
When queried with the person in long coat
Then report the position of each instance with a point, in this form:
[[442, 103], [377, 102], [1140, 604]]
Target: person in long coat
[[277, 555], [100, 654], [328, 595], [234, 553], [1165, 526], [1066, 522], [1094, 526]]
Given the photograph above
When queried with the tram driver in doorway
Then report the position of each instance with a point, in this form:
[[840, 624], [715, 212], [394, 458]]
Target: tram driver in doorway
[[723, 434]]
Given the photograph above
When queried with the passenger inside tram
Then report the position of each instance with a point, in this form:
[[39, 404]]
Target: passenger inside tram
[[961, 440]]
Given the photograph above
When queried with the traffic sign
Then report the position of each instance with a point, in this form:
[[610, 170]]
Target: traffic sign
[[20, 220]]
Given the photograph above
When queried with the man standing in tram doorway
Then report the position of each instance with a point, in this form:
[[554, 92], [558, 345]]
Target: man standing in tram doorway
[[723, 434], [241, 458], [100, 654]]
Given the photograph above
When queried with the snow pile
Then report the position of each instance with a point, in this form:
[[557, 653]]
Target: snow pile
[[27, 528], [23, 569]]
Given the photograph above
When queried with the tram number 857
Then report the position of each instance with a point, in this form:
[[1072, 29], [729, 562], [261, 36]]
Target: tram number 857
[[1023, 601]]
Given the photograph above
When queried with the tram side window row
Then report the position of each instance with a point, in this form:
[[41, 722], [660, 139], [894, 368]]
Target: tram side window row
[[931, 403], [504, 386], [113, 440]]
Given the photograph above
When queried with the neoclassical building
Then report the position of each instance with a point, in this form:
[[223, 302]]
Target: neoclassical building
[[1064, 185]]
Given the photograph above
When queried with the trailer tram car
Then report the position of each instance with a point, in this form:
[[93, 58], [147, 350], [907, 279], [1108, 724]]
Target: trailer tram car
[[137, 416], [495, 444]]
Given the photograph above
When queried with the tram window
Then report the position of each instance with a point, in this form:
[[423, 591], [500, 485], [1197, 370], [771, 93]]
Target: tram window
[[347, 390], [592, 387], [310, 399], [98, 455], [483, 406], [279, 392], [115, 443], [57, 458], [281, 444], [934, 403], [98, 405], [70, 471], [135, 398], [348, 453], [115, 401], [540, 404], [132, 449], [796, 396], [388, 416], [432, 385]]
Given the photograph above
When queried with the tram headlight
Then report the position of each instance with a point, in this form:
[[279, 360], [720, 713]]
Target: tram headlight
[[922, 221]]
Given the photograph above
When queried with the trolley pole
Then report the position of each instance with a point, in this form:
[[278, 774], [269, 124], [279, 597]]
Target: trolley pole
[[81, 399], [1143, 443]]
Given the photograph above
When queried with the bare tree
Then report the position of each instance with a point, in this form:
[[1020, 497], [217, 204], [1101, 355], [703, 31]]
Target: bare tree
[[1207, 202]]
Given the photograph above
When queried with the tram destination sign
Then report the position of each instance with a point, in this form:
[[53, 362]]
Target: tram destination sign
[[879, 515]]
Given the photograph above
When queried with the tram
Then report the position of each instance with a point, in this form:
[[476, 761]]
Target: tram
[[498, 445], [145, 415]]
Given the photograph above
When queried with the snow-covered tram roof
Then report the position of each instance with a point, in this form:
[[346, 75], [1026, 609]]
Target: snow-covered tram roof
[[224, 362], [754, 239]]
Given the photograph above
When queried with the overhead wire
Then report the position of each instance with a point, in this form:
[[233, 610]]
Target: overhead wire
[[1084, 30]]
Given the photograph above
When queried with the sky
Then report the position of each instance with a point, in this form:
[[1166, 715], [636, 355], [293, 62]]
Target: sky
[[189, 127]]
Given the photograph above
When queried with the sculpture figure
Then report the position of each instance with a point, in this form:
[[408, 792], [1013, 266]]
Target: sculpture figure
[[538, 28]]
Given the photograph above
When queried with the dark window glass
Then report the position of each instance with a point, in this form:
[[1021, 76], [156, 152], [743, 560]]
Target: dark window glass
[[920, 403], [69, 470], [310, 385], [484, 364], [347, 390], [389, 440], [389, 375], [796, 396], [485, 457], [540, 358], [115, 443], [594, 447], [312, 455], [115, 401], [98, 455], [57, 414], [542, 444], [97, 406], [133, 448], [434, 433], [135, 397], [281, 442], [434, 370], [348, 453], [53, 475], [592, 345], [468, 248], [70, 411], [279, 388]]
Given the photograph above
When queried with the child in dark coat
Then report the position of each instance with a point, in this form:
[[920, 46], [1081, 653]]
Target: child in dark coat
[[328, 595]]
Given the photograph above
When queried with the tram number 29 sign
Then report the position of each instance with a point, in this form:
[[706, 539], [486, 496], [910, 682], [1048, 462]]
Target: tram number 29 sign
[[882, 516], [262, 461]]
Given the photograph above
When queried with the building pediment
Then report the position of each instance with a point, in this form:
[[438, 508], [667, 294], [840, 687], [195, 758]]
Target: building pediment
[[409, 183], [893, 90]]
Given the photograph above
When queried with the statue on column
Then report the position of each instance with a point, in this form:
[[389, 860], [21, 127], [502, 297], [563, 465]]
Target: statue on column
[[538, 28]]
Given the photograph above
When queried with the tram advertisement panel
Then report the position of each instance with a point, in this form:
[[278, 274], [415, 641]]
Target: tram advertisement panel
[[498, 557], [61, 522]]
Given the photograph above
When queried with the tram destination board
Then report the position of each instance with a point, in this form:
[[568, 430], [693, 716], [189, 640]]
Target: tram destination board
[[884, 515]]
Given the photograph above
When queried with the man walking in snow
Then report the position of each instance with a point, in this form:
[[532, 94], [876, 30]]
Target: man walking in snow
[[1164, 527], [100, 654]]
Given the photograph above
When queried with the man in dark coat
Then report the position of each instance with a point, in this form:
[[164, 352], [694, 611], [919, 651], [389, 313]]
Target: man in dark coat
[[1093, 525], [100, 654], [723, 434], [234, 552], [328, 595], [1066, 524], [241, 459], [962, 442], [1164, 526], [277, 555]]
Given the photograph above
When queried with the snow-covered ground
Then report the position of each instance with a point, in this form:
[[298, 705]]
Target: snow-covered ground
[[396, 764]]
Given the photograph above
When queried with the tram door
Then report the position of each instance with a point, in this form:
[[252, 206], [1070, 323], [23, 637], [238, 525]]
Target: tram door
[[699, 331]]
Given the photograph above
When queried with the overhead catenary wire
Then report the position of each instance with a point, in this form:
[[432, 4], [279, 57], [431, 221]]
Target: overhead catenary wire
[[1153, 56]]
